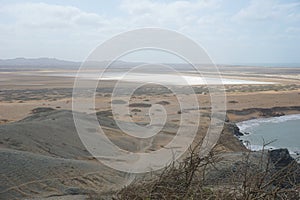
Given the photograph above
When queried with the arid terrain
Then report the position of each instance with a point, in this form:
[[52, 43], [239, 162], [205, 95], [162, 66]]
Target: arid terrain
[[42, 155]]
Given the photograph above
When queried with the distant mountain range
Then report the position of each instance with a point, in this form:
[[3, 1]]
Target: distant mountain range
[[53, 63], [37, 63]]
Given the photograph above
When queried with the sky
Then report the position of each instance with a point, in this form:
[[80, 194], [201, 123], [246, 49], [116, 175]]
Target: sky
[[254, 31]]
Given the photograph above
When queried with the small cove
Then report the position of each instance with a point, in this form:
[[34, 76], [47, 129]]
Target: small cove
[[283, 131]]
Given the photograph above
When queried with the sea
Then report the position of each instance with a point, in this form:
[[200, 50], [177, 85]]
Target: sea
[[276, 132]]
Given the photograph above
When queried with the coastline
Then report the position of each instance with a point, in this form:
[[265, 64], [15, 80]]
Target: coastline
[[246, 127]]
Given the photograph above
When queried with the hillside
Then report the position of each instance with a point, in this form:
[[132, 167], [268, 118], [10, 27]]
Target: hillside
[[44, 149]]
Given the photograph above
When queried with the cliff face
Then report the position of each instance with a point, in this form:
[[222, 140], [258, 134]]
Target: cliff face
[[228, 141]]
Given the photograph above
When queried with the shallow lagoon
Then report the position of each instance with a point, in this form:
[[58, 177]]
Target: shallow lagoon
[[177, 79]]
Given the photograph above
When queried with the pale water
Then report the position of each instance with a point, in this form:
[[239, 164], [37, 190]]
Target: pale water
[[177, 79], [285, 130]]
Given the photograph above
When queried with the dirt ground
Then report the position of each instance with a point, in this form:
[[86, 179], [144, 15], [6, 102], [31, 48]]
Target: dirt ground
[[59, 159]]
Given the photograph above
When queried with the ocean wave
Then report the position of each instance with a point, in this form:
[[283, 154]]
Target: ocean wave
[[255, 147], [246, 126]]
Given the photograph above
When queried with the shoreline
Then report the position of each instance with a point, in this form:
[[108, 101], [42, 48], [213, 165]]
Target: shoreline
[[245, 125]]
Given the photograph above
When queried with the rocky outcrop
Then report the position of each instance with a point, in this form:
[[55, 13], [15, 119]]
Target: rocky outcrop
[[280, 158], [233, 128], [285, 167], [229, 140]]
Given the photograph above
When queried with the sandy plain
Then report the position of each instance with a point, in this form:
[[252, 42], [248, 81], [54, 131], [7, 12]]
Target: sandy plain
[[59, 163]]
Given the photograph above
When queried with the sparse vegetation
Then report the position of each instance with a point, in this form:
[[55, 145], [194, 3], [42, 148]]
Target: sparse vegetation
[[261, 88], [118, 101], [140, 105], [163, 102], [136, 110], [251, 176], [233, 101]]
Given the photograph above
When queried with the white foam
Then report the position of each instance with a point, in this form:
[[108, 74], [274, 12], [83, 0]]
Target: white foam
[[246, 125], [254, 147], [294, 151], [251, 125]]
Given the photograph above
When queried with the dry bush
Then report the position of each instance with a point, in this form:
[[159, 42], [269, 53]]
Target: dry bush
[[261, 178]]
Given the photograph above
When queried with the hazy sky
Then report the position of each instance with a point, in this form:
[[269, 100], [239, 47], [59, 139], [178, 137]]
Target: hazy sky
[[254, 31]]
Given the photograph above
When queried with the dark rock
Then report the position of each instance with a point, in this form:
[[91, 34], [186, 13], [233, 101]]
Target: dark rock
[[286, 168], [281, 158], [233, 128]]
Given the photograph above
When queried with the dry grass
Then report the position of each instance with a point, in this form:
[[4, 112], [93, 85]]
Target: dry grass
[[192, 179]]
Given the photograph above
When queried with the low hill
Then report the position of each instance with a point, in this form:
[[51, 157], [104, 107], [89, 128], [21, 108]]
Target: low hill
[[42, 155]]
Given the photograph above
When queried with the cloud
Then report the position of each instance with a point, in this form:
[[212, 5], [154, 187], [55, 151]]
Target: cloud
[[47, 21], [174, 14], [259, 10], [41, 30], [42, 15], [45, 29], [293, 30], [139, 7]]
